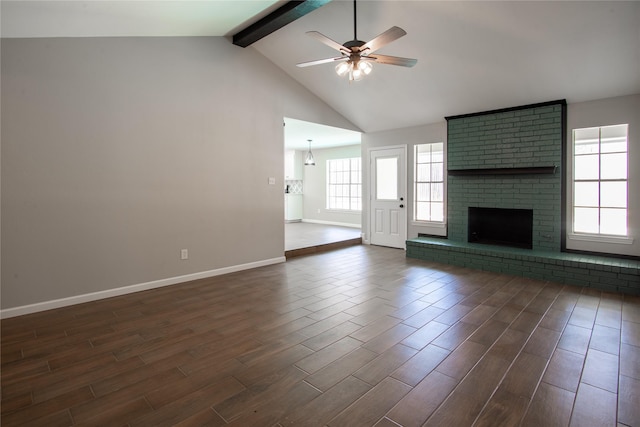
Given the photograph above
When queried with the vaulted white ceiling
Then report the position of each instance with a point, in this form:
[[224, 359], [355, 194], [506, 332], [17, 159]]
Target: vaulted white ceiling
[[472, 56], [129, 18]]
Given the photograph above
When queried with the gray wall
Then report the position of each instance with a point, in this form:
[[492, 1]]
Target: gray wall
[[119, 152]]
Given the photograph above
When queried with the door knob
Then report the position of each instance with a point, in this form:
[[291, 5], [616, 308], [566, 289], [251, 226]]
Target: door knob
[[402, 206]]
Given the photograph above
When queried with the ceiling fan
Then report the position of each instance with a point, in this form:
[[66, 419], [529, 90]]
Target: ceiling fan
[[356, 56]]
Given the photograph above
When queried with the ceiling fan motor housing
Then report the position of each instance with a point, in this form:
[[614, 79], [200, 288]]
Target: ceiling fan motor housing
[[353, 43]]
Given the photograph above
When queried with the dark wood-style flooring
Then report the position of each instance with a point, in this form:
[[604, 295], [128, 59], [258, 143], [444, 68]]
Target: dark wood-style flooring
[[360, 336]]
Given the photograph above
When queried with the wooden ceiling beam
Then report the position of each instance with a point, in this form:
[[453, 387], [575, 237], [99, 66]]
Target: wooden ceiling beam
[[277, 19]]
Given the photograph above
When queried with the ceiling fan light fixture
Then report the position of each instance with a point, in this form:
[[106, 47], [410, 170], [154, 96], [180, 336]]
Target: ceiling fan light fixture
[[356, 70], [356, 74], [343, 68], [365, 67], [355, 60]]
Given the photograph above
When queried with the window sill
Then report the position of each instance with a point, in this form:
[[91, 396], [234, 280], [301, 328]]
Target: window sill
[[620, 240], [343, 211], [438, 225]]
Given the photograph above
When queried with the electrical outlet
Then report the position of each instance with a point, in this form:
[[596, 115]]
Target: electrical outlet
[[184, 254], [272, 181]]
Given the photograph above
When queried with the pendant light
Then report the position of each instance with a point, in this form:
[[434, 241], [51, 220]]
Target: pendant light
[[309, 161]]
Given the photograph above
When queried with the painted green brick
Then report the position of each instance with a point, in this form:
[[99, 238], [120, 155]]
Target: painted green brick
[[519, 138], [629, 278], [608, 281], [553, 266], [610, 288]]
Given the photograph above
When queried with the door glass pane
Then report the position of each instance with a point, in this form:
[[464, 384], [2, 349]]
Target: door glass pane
[[613, 194], [613, 221], [586, 194], [586, 167], [387, 178]]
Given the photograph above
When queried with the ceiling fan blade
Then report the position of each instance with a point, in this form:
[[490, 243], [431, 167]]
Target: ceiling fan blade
[[392, 60], [393, 33], [326, 40], [322, 61]]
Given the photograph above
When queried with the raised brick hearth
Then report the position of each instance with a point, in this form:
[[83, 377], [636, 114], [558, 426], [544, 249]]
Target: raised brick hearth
[[513, 159]]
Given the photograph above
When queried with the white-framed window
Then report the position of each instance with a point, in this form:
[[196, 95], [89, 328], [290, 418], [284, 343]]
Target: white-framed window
[[429, 182], [344, 184], [600, 181]]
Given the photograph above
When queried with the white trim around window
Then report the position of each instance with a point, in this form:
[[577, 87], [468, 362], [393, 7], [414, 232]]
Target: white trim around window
[[600, 185]]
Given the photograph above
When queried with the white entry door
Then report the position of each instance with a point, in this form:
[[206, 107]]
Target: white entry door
[[388, 206]]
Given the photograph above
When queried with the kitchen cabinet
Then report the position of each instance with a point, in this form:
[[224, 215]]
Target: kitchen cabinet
[[293, 164], [293, 207]]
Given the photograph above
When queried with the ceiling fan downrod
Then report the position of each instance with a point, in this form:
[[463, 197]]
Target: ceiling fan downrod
[[355, 22]]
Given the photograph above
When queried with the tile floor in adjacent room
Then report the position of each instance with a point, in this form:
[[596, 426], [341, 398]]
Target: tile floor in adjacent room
[[299, 235], [360, 336]]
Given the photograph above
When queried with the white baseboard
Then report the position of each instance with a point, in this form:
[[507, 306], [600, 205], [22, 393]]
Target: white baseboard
[[341, 224], [78, 299]]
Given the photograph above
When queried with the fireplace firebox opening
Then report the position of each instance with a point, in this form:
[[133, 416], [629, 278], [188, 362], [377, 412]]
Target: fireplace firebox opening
[[504, 227]]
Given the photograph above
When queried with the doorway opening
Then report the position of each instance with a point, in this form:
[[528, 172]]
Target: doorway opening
[[312, 217]]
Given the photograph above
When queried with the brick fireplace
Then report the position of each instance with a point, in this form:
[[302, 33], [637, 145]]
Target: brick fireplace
[[508, 159], [507, 162]]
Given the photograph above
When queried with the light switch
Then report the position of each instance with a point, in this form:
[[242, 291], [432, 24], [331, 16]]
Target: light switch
[[272, 181]]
